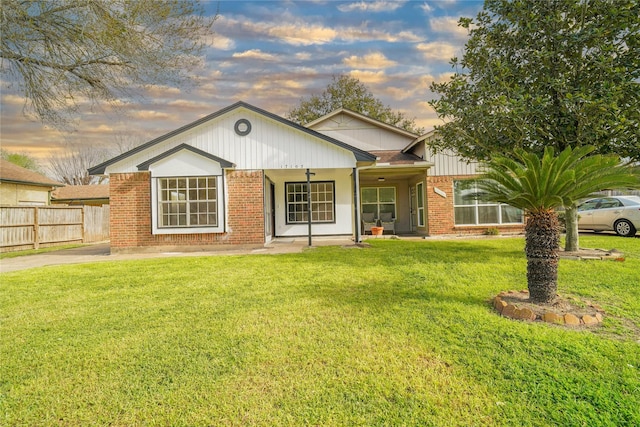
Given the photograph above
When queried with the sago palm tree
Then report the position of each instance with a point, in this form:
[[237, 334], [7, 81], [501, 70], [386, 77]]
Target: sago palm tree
[[541, 185]]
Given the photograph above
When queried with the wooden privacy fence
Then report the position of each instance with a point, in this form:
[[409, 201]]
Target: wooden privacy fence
[[33, 227]]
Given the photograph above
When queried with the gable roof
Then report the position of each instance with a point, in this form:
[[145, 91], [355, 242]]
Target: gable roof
[[223, 163], [19, 175], [359, 154], [429, 135], [364, 118], [81, 192]]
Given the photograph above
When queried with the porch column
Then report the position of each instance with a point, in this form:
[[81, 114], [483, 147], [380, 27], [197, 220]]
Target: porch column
[[356, 202]]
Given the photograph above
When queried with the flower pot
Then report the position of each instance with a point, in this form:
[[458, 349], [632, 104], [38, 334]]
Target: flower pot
[[377, 231]]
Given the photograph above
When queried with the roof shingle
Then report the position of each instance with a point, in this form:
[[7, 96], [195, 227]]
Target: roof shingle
[[17, 174]]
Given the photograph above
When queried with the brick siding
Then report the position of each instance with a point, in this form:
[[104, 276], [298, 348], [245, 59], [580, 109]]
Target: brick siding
[[130, 198], [441, 219]]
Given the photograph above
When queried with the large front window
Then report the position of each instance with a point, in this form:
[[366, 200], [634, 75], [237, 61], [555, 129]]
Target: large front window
[[188, 202], [322, 202], [471, 211], [379, 200]]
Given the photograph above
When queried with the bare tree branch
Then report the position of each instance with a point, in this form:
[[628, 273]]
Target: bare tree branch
[[58, 52]]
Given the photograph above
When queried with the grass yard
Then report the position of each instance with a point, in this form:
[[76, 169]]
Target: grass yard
[[401, 333]]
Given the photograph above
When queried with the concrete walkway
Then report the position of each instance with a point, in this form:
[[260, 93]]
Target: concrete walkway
[[101, 252]]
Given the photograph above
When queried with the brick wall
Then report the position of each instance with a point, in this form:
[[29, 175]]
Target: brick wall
[[245, 207], [130, 198], [440, 210], [130, 215]]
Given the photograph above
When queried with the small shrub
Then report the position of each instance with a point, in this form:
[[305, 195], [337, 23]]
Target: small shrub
[[491, 231]]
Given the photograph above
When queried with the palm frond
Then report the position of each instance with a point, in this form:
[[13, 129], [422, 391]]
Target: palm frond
[[539, 184]]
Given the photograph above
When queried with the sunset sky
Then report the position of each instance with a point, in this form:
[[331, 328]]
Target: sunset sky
[[271, 54]]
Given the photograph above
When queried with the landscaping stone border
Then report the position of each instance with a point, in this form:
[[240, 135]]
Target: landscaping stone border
[[512, 311], [593, 254]]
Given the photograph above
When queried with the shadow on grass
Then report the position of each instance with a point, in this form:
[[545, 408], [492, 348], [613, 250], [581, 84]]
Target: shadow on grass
[[392, 273], [410, 253]]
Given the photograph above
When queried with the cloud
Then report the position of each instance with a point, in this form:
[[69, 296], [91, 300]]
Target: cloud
[[425, 81], [426, 8], [223, 43], [160, 91], [294, 31], [373, 60], [103, 128], [445, 76], [303, 34], [398, 93], [254, 54], [298, 32], [10, 99], [369, 76], [149, 115], [449, 26], [303, 56], [441, 51], [275, 84], [189, 105], [363, 33], [371, 6]]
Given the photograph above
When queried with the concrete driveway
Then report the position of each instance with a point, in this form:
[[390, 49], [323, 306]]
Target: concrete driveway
[[101, 252]]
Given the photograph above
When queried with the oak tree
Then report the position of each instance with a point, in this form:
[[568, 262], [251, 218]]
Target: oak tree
[[553, 73], [350, 93], [62, 54]]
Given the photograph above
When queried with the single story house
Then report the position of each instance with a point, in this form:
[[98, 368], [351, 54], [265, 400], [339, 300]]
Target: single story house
[[23, 187], [241, 176], [81, 195]]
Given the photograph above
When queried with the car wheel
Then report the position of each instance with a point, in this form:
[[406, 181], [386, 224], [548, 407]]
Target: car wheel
[[624, 228]]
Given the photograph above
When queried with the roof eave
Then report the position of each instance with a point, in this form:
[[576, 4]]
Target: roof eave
[[363, 117], [418, 140], [359, 154], [37, 184]]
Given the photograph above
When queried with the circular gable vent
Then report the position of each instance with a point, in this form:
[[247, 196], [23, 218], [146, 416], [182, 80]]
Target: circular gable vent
[[243, 127]]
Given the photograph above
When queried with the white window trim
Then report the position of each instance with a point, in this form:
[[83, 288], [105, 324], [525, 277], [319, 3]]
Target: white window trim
[[477, 205], [155, 204], [333, 202], [420, 192]]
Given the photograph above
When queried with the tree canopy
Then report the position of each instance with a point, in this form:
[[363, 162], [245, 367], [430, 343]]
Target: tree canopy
[[348, 92], [553, 73], [63, 53], [21, 159]]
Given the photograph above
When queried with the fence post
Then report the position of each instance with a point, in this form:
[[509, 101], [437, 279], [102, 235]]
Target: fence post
[[84, 224], [36, 229]]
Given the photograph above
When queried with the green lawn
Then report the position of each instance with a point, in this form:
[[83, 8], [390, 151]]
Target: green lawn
[[401, 333]]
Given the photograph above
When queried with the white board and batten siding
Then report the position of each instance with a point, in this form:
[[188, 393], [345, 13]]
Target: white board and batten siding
[[448, 164], [270, 145], [445, 162], [343, 205], [361, 134]]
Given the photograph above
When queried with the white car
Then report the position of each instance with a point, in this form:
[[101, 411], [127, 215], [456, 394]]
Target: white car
[[618, 213]]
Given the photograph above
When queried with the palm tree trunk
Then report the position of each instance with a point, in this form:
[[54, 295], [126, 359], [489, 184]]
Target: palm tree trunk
[[572, 243], [542, 245]]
